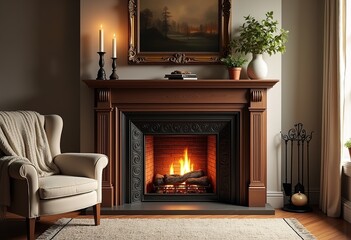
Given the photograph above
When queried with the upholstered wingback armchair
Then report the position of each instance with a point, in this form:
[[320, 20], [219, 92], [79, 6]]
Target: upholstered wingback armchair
[[76, 186]]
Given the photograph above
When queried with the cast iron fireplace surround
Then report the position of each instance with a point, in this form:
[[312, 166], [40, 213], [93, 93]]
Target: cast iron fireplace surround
[[235, 111], [225, 126]]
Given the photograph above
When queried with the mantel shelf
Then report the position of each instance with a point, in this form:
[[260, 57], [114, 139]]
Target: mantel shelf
[[203, 83]]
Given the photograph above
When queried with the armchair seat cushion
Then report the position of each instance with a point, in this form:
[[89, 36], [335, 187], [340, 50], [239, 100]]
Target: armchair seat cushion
[[58, 186]]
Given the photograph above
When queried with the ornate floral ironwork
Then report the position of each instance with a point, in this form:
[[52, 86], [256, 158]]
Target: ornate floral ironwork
[[136, 171], [298, 133], [174, 127], [223, 128], [225, 173]]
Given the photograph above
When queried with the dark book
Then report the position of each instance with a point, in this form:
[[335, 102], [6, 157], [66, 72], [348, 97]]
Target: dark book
[[180, 76]]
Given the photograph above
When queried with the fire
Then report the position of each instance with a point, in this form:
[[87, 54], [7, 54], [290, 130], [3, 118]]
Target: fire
[[185, 164], [171, 169]]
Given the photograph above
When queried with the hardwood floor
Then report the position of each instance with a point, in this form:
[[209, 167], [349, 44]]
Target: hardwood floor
[[322, 227]]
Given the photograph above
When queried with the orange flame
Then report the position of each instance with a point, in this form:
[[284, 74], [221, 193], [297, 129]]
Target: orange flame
[[171, 169], [185, 164]]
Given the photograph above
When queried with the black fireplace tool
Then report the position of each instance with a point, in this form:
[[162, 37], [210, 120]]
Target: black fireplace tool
[[296, 136]]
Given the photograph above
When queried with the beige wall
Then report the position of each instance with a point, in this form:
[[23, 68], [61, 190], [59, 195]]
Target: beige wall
[[302, 76], [243, 8], [40, 66], [39, 63], [297, 98]]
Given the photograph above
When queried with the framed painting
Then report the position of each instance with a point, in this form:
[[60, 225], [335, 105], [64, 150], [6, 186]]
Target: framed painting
[[178, 31]]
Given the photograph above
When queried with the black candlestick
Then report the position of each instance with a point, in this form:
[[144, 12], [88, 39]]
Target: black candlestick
[[101, 73], [114, 75]]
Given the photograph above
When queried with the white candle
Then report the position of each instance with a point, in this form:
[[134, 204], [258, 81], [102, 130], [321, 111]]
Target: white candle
[[114, 46], [101, 39]]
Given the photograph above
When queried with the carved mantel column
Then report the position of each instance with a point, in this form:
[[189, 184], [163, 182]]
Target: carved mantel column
[[258, 148], [104, 140]]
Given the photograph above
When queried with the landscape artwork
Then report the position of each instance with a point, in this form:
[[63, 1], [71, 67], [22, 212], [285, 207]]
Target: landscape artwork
[[179, 26]]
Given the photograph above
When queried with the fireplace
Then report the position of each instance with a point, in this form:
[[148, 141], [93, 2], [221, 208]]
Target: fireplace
[[180, 157], [145, 126]]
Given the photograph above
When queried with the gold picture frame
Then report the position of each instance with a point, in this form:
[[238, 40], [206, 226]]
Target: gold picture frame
[[178, 31]]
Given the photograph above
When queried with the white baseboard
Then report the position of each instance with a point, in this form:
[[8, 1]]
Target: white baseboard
[[275, 199], [346, 210]]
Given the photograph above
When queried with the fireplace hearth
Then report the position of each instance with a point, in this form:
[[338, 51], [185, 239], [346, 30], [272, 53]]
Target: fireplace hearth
[[144, 126]]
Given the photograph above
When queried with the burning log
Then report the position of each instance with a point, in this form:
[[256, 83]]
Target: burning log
[[159, 179], [194, 174], [174, 179], [201, 181]]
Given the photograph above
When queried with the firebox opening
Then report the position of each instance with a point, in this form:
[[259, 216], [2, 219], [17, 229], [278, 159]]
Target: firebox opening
[[180, 164]]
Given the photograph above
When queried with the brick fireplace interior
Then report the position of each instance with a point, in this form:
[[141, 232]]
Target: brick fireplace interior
[[144, 126], [168, 159]]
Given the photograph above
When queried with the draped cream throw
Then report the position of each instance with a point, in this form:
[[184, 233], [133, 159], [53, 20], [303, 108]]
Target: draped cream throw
[[22, 138]]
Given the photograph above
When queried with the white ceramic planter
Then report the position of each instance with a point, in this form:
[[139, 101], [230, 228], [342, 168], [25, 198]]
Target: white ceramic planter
[[257, 68]]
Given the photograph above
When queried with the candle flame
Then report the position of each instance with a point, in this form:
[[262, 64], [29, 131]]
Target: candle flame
[[101, 26], [114, 35]]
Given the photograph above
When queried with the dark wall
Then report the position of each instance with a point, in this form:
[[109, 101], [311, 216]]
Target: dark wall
[[39, 62]]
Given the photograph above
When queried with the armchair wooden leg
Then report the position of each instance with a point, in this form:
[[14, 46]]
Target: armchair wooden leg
[[96, 209], [30, 222]]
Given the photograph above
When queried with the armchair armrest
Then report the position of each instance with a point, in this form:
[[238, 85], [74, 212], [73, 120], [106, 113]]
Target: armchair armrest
[[24, 170], [81, 164]]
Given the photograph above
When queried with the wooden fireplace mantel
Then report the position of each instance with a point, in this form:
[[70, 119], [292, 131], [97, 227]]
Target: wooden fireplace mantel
[[249, 97], [209, 83]]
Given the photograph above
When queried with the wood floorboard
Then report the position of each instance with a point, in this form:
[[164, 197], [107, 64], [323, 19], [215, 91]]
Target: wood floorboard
[[13, 227]]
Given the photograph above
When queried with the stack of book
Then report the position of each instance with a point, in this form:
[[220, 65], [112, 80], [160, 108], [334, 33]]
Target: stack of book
[[181, 76]]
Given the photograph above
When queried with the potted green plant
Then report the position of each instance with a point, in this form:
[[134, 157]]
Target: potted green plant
[[258, 37], [234, 65], [347, 144]]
